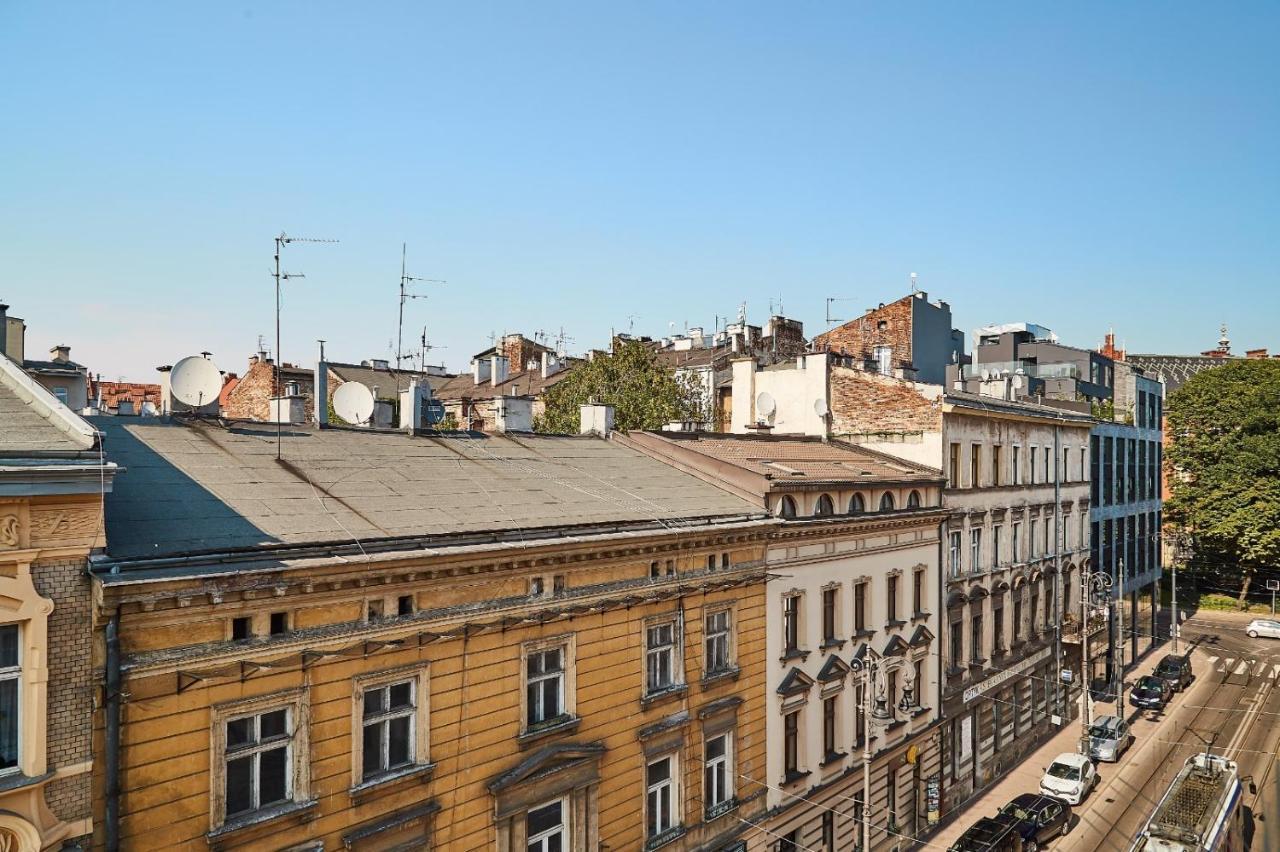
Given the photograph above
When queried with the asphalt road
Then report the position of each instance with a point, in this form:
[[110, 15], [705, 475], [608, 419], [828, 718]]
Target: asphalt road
[[1233, 703]]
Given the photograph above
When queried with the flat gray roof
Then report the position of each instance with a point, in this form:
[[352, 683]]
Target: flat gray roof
[[201, 487]]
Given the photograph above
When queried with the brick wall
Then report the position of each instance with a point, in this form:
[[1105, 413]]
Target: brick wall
[[71, 683], [787, 338], [886, 326], [519, 351], [251, 397], [864, 402]]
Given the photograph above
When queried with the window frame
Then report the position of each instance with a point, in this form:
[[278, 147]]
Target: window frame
[[568, 683], [298, 776], [418, 677], [674, 651], [670, 786], [792, 629], [547, 834], [730, 660], [15, 674], [712, 809]]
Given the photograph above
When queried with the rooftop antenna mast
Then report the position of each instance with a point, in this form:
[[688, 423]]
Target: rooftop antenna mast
[[426, 347], [914, 286], [405, 295], [283, 240], [561, 340], [832, 300]]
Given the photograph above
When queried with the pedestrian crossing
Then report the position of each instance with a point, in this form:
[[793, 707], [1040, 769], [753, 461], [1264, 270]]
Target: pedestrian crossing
[[1244, 666]]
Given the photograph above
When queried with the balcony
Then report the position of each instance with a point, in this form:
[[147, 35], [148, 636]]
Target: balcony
[[1071, 625]]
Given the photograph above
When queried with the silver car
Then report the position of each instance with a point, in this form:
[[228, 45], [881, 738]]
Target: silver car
[[1263, 627], [1109, 736]]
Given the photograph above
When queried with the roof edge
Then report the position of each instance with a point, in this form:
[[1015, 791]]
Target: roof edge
[[47, 405]]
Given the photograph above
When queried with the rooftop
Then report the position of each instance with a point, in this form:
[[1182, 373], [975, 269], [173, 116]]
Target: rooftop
[[33, 421], [197, 487]]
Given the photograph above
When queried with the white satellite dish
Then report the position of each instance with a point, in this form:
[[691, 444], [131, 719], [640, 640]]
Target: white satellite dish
[[986, 375], [765, 404], [353, 402], [1017, 382], [820, 407], [195, 381]]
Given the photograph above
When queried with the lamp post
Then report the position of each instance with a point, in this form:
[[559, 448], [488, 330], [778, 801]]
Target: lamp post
[[873, 669], [1182, 553], [1093, 583]]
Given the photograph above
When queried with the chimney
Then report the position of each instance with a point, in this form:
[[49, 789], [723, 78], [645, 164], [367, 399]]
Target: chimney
[[595, 419], [320, 390], [497, 369], [254, 359], [61, 353], [513, 414]]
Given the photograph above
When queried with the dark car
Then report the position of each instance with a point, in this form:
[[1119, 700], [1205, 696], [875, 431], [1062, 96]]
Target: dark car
[[1175, 668], [1039, 819], [1151, 693], [990, 835], [1101, 689]]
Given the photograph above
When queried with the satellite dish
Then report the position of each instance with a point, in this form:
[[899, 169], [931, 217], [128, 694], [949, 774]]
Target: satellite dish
[[820, 407], [353, 402], [1017, 382], [765, 404], [986, 375], [195, 381]]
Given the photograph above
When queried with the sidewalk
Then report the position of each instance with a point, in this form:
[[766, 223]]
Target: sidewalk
[[1025, 777]]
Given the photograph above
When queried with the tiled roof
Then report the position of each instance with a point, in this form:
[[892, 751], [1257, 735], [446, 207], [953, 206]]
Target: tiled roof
[[1174, 370], [389, 382], [527, 383], [204, 488]]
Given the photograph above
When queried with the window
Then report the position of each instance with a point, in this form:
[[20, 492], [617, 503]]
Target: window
[[662, 655], [1048, 461], [829, 831], [787, 508], [724, 560], [824, 508], [1084, 461], [544, 685], [975, 468], [913, 500], [544, 827], [884, 359], [373, 610], [1033, 465], [975, 549], [829, 727], [891, 796], [717, 636], [860, 607], [1035, 607], [918, 665], [1031, 543], [258, 760], [859, 715], [996, 479], [240, 628], [10, 696], [1047, 533], [791, 743], [997, 532], [789, 842], [1017, 617], [711, 562], [61, 394], [957, 644], [279, 623], [917, 591], [791, 623], [997, 628], [953, 471], [955, 554], [975, 639], [660, 799], [857, 505], [829, 599], [886, 502], [404, 604], [1017, 465], [893, 598], [671, 567], [388, 721], [537, 586], [892, 690], [1066, 466], [717, 772]]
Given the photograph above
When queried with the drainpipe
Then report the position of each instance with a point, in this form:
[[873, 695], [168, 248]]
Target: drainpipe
[[112, 744]]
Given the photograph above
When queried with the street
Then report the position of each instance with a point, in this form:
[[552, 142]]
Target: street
[[1232, 703]]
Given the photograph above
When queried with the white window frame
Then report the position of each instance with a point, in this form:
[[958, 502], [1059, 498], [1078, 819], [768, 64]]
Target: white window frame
[[543, 838], [672, 651], [884, 359], [420, 727], [568, 679], [716, 801], [1016, 542], [975, 548], [996, 530], [14, 673], [1031, 540], [297, 777], [955, 545], [668, 789], [720, 636]]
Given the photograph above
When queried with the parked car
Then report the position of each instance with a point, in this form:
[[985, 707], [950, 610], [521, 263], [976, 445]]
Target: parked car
[[1070, 777], [1176, 668], [1263, 627], [1151, 693], [1109, 736], [1101, 689], [1039, 819], [990, 835]]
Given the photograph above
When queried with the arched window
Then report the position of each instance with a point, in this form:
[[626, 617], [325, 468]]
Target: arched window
[[913, 501], [886, 502], [825, 507], [787, 509], [857, 505]]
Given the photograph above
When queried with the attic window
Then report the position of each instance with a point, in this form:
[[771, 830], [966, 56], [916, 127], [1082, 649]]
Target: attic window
[[882, 325], [240, 628], [279, 623]]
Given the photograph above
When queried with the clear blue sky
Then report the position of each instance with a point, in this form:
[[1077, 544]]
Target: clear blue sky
[[1076, 165]]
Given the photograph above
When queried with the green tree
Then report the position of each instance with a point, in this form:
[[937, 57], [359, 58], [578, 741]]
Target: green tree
[[644, 393], [1224, 466]]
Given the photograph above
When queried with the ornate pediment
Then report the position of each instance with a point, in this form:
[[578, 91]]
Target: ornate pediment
[[795, 683], [895, 647], [547, 761], [922, 637], [833, 669]]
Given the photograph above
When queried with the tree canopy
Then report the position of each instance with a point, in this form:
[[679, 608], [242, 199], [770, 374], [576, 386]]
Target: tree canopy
[[644, 393], [1224, 463]]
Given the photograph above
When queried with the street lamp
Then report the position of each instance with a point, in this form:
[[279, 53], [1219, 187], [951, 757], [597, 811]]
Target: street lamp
[[1096, 587], [873, 669], [1182, 544]]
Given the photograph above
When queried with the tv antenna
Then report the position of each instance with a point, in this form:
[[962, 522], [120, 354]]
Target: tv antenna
[[832, 300], [426, 347], [281, 241], [405, 280], [781, 311], [561, 340], [631, 323]]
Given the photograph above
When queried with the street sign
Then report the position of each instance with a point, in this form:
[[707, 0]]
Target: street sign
[[1273, 585], [1066, 675]]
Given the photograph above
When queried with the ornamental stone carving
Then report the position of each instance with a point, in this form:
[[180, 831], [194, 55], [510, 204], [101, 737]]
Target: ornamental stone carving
[[8, 538]]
